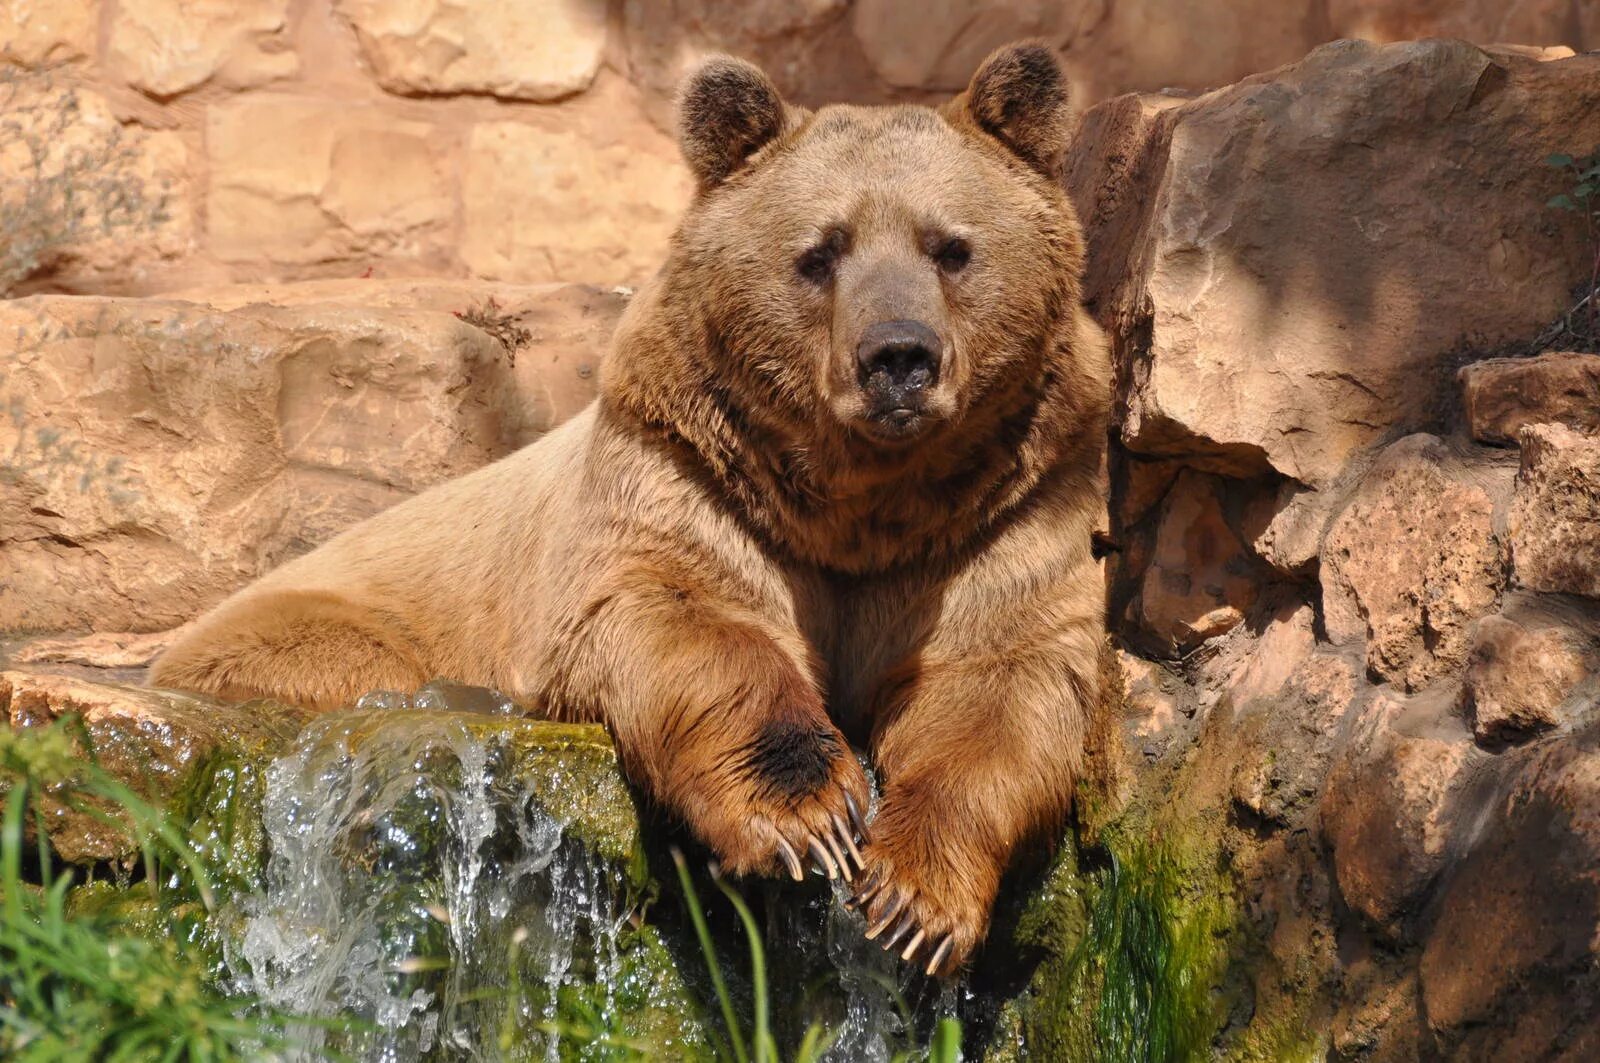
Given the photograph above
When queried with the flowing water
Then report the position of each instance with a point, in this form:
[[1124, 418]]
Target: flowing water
[[468, 886]]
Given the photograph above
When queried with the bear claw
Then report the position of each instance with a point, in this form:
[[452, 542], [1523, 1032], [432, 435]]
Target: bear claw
[[940, 954], [790, 860], [823, 859]]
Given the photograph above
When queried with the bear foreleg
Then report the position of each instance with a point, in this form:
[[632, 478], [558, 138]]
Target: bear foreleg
[[978, 753], [714, 715]]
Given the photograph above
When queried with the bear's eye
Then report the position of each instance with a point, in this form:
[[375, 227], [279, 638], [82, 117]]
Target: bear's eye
[[952, 255], [816, 265]]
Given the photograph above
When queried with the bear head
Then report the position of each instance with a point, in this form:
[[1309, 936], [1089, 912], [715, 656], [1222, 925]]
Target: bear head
[[864, 294]]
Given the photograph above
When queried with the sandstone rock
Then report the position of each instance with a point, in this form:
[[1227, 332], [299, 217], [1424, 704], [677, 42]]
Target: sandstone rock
[[1198, 583], [1511, 969], [1390, 808], [167, 47], [1521, 672], [805, 46], [87, 199], [47, 32], [150, 740], [107, 650], [533, 50], [594, 194], [1282, 300], [553, 376], [1526, 22], [1414, 558], [295, 181], [158, 454], [1502, 395], [1555, 518], [1108, 47]]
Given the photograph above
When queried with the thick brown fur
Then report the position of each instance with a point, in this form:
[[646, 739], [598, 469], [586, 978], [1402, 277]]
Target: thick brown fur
[[726, 561]]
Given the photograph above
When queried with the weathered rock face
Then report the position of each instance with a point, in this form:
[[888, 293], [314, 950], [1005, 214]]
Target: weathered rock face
[[1509, 971], [1199, 581], [1504, 395], [527, 51], [36, 35], [159, 454], [1555, 519], [1526, 671], [1414, 559], [437, 69], [1282, 300], [167, 47]]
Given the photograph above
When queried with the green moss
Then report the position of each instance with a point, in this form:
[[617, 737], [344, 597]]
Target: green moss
[[1136, 938]]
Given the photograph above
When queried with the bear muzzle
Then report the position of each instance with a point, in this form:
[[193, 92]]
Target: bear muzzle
[[897, 367]]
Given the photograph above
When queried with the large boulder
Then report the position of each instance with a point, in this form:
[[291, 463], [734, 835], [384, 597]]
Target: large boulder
[[1555, 518], [1415, 557], [1283, 263], [159, 454]]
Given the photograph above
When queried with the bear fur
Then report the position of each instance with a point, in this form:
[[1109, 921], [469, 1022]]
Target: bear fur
[[772, 538]]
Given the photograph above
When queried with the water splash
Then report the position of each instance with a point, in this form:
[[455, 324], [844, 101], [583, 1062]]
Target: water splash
[[420, 889]]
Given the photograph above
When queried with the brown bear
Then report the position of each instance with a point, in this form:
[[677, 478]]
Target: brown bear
[[838, 488]]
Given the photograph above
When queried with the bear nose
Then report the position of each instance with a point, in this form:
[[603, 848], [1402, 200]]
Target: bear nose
[[901, 355]]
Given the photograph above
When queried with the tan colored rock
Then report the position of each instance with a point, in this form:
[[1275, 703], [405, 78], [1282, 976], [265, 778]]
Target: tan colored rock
[[111, 649], [531, 50], [805, 46], [168, 47], [1555, 518], [1524, 22], [1284, 300], [293, 180], [1521, 674], [1390, 808], [1198, 583], [594, 195], [151, 740], [86, 198], [158, 454], [1414, 558], [1511, 969], [554, 375], [1501, 395], [40, 33]]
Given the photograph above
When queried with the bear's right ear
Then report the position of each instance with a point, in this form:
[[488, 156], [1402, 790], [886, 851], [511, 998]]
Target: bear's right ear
[[727, 111], [1019, 97]]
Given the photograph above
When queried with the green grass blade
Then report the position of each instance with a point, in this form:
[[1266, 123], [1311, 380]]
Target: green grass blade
[[710, 953]]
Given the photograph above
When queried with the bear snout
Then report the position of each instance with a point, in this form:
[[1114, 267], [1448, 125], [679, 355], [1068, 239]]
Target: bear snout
[[897, 364]]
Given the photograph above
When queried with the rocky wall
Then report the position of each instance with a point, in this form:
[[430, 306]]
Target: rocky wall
[[528, 142]]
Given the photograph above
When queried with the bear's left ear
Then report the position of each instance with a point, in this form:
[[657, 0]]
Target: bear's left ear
[[1019, 96], [727, 111]]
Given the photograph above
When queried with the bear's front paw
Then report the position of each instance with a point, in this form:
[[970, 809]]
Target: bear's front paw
[[924, 903], [794, 796]]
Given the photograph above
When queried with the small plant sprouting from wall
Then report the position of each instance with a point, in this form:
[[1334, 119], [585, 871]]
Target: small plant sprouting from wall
[[63, 187], [1581, 324]]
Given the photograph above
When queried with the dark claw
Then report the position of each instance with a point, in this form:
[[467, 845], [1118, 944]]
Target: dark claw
[[855, 816], [911, 946], [864, 892], [824, 861], [893, 909], [849, 842], [790, 860], [940, 954], [901, 929]]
